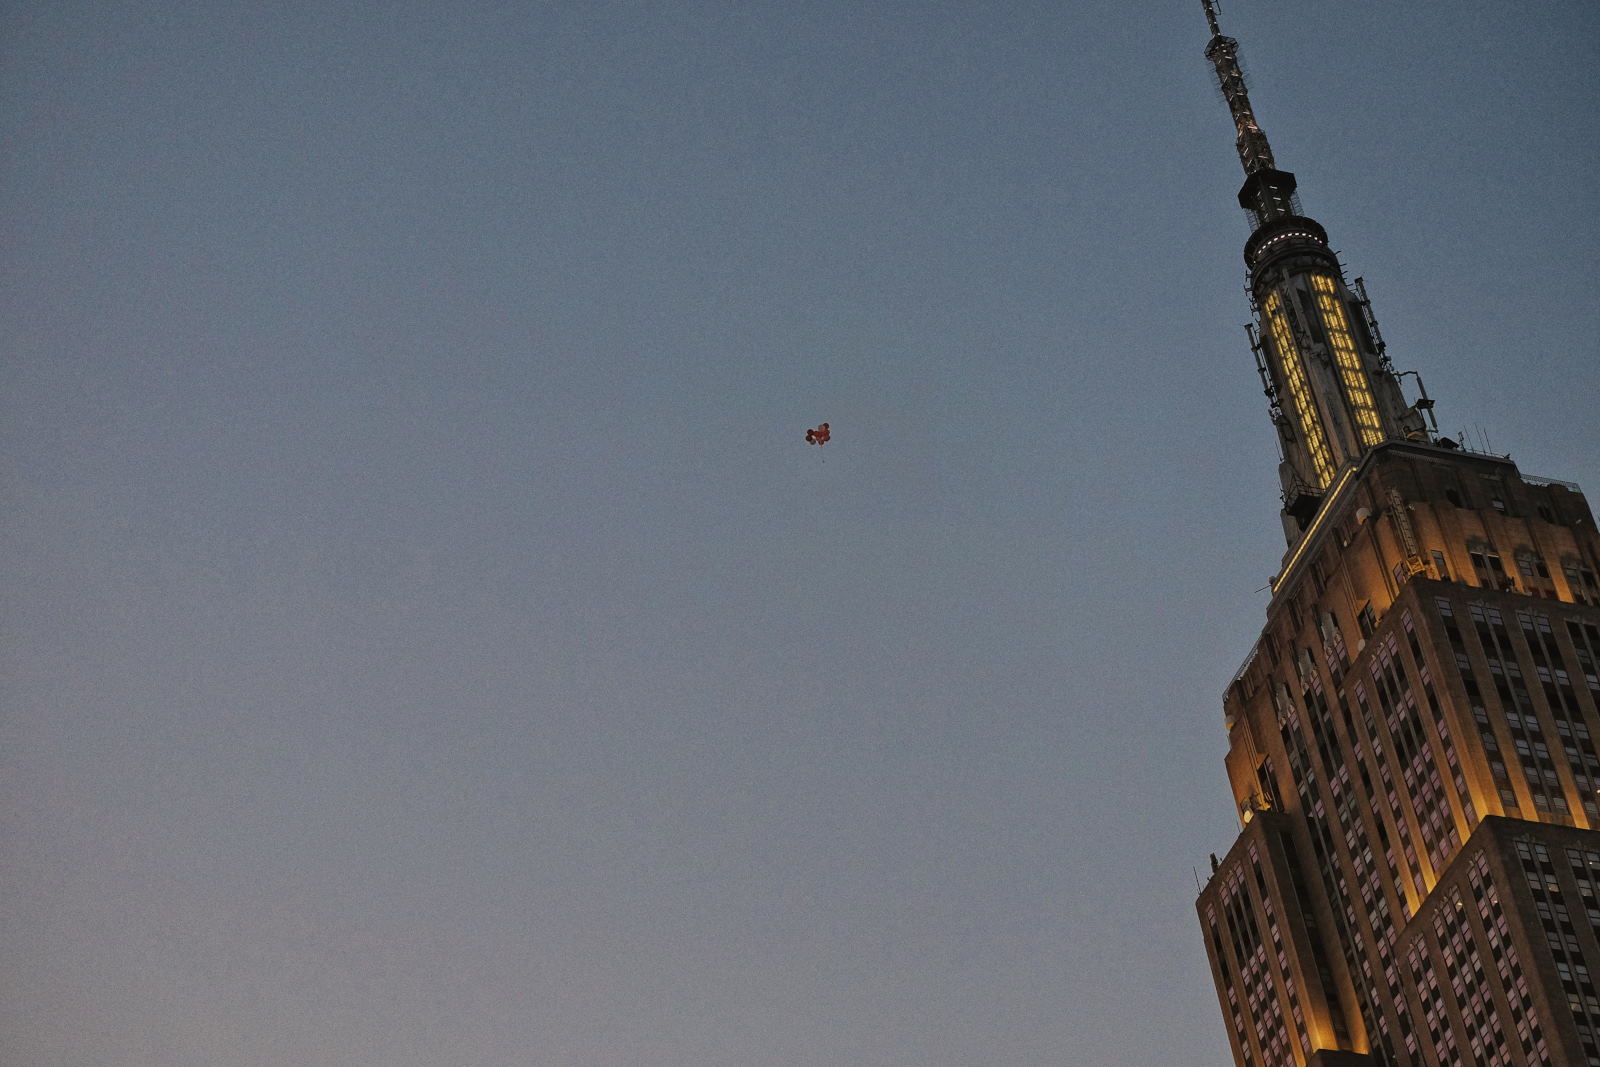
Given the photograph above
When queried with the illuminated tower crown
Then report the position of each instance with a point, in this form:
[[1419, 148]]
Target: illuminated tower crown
[[1333, 393]]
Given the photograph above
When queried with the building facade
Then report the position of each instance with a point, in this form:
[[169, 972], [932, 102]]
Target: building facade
[[1412, 740]]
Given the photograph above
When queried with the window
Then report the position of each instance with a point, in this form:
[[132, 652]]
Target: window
[[1495, 489], [1488, 568], [1529, 565], [1368, 620]]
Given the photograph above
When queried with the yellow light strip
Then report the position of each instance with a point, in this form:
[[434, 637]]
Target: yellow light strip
[[1294, 377], [1314, 529], [1351, 372]]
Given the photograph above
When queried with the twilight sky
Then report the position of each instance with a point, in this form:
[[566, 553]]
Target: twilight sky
[[430, 640]]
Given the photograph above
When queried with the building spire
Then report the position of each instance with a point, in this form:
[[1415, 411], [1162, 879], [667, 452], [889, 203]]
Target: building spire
[[1332, 394], [1254, 152], [1268, 193]]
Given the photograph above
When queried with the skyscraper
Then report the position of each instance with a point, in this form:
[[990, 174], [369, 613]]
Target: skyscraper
[[1412, 740]]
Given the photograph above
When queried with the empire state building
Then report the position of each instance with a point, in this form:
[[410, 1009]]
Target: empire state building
[[1412, 739]]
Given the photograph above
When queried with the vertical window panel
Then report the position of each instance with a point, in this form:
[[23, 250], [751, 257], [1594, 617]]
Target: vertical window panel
[[1294, 375], [1352, 375]]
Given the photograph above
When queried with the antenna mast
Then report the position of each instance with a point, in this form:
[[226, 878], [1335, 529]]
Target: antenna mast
[[1268, 193], [1254, 152]]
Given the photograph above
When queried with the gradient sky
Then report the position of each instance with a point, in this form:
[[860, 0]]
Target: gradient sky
[[430, 640]]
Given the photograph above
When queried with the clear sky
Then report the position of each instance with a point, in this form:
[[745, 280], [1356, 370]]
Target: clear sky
[[430, 640]]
